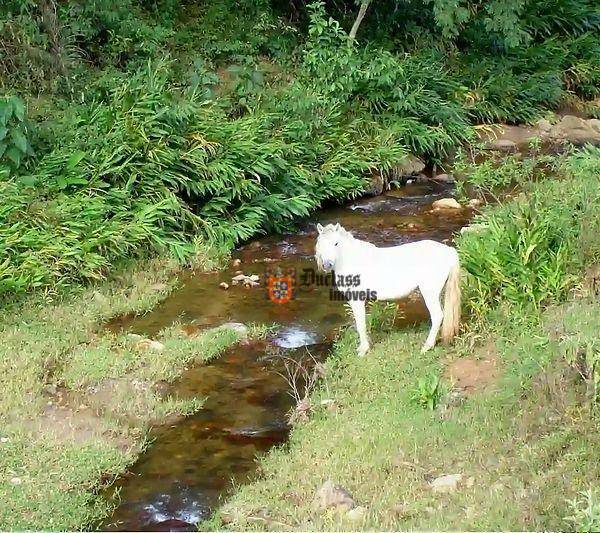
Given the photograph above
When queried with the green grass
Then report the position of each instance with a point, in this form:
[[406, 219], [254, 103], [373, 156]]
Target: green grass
[[525, 443], [76, 400]]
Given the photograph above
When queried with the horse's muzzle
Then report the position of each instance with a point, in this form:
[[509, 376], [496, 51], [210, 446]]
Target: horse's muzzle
[[327, 265]]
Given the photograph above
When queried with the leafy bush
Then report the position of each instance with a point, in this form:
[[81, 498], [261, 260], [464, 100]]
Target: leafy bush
[[428, 392], [147, 169], [495, 173], [531, 248], [14, 144], [586, 512]]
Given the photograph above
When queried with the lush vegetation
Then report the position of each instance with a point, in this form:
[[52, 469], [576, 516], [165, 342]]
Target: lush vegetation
[[523, 435], [130, 128]]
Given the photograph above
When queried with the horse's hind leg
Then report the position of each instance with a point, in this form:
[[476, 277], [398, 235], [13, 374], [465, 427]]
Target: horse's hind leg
[[431, 295], [359, 312]]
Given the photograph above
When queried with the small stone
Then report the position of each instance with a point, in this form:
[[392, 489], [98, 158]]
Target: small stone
[[357, 514], [473, 228], [238, 327], [474, 203], [239, 277], [239, 273], [447, 483], [446, 203], [544, 125], [134, 337], [254, 277], [50, 389], [236, 262], [445, 178], [148, 344], [16, 480], [503, 145], [4, 440], [333, 496], [224, 285]]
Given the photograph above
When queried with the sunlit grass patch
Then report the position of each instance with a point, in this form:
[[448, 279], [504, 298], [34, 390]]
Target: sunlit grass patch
[[77, 399]]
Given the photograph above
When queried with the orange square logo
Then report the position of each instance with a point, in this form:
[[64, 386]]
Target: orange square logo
[[280, 289]]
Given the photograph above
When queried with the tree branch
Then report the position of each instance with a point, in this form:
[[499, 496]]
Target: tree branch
[[359, 18]]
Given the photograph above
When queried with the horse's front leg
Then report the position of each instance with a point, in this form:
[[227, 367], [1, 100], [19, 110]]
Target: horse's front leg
[[359, 312]]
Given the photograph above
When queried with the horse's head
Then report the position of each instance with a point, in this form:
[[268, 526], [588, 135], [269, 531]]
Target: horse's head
[[327, 248]]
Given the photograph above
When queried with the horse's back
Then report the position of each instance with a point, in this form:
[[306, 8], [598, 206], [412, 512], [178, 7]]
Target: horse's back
[[420, 252], [397, 270]]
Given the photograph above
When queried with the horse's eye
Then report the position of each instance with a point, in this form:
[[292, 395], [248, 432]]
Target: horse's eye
[[336, 244]]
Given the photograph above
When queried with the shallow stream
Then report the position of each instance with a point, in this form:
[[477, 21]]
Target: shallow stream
[[192, 465]]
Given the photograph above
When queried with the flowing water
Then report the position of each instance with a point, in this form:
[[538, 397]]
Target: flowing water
[[191, 465]]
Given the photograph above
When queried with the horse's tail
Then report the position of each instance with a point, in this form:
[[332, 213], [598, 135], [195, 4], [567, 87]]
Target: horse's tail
[[451, 320]]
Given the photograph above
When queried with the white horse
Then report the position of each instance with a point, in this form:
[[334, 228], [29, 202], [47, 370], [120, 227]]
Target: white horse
[[393, 273]]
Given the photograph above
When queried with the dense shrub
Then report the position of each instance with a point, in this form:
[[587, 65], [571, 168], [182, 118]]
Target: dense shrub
[[156, 123], [531, 250], [148, 169]]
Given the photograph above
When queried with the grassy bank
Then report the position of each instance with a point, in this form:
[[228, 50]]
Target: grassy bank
[[148, 129], [516, 409], [76, 400]]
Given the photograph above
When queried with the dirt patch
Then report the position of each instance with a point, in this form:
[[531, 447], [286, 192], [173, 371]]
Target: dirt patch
[[77, 425], [86, 417], [469, 374]]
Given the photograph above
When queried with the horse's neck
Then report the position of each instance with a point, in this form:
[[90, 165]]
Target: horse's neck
[[352, 256]]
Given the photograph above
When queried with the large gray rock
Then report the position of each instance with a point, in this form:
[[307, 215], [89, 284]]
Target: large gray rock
[[410, 166], [576, 130], [502, 145]]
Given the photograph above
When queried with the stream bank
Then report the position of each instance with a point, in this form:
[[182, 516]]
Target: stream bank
[[190, 467]]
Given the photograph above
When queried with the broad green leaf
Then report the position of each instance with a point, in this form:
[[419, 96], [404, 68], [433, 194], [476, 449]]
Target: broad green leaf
[[61, 182], [14, 155], [75, 158], [28, 181], [19, 108], [19, 140]]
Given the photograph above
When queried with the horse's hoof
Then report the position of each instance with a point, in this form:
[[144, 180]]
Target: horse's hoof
[[426, 348], [363, 351]]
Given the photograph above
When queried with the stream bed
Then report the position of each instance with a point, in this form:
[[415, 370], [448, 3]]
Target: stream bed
[[192, 465]]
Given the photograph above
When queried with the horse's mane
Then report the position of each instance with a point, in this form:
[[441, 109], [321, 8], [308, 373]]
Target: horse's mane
[[332, 228]]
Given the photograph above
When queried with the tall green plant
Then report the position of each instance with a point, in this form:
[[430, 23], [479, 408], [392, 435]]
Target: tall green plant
[[14, 143]]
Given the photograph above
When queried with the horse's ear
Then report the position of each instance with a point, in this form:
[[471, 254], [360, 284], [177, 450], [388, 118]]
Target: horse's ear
[[337, 227], [319, 228]]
